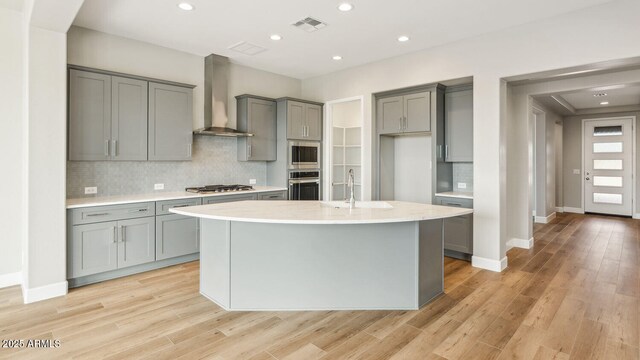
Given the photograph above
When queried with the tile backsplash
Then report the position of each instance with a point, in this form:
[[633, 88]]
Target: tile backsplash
[[463, 173], [214, 161]]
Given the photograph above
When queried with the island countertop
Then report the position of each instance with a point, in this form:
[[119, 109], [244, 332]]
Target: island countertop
[[319, 212]]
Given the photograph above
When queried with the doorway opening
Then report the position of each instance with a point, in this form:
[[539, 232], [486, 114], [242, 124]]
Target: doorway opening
[[344, 149]]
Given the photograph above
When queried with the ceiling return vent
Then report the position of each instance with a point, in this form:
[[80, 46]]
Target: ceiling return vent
[[309, 24], [246, 48]]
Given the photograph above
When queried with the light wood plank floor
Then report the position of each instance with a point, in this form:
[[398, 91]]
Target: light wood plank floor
[[573, 296]]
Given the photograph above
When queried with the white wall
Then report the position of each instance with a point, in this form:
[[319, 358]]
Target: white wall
[[545, 171], [412, 179], [597, 34], [11, 185], [559, 164], [109, 52]]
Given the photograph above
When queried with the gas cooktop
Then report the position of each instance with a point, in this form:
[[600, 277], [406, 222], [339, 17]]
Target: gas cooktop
[[208, 189]]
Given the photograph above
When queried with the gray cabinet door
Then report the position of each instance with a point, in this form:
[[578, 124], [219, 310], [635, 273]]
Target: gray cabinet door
[[93, 249], [170, 122], [459, 126], [261, 121], [128, 119], [137, 241], [458, 233], [176, 235], [417, 112], [296, 127], [89, 115], [390, 114], [313, 117]]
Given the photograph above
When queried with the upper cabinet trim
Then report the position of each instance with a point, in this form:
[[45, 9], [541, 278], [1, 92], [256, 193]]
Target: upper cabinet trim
[[137, 77]]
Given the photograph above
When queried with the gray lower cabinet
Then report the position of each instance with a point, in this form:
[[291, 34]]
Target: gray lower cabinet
[[100, 247], [458, 126], [458, 231], [273, 195], [258, 117], [170, 122], [304, 120], [176, 235]]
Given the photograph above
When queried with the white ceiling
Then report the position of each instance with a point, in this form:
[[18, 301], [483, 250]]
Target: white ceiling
[[583, 101], [367, 33]]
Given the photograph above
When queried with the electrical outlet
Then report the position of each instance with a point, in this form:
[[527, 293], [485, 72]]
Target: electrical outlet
[[91, 190], [576, 171], [462, 185], [252, 181], [158, 186]]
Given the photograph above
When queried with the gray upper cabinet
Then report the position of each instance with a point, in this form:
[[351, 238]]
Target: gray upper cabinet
[[459, 126], [113, 117], [89, 116], [128, 119], [304, 121], [390, 115], [417, 112], [170, 122], [258, 117], [404, 114]]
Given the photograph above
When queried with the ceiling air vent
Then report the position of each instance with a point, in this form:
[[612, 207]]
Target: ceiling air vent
[[309, 24], [246, 48]]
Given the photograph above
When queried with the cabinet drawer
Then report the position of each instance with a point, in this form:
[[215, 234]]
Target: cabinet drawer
[[229, 198], [162, 207], [457, 202], [276, 195], [97, 214]]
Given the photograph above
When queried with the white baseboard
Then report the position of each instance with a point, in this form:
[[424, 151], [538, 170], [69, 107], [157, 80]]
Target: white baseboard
[[520, 243], [44, 292], [489, 264], [545, 219], [574, 210], [12, 279], [559, 209], [636, 216]]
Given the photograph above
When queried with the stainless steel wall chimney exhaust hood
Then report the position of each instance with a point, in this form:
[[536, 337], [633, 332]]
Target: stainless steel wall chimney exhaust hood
[[216, 77]]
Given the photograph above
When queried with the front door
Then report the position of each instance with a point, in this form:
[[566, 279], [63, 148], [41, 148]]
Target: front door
[[608, 166]]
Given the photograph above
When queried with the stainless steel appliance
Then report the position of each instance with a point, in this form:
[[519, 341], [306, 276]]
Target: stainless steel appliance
[[208, 189], [304, 155], [304, 185]]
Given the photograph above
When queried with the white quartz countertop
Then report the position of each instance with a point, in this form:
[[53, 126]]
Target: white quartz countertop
[[159, 196], [318, 212], [456, 194]]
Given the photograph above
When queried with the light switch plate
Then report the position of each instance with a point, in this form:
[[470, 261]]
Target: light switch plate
[[462, 185], [576, 171], [91, 190], [158, 186], [252, 181]]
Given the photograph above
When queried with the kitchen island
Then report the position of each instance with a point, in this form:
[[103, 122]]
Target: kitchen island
[[314, 255]]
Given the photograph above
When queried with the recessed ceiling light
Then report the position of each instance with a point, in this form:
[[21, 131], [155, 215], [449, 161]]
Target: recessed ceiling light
[[337, 57], [403, 38], [604, 103], [185, 6], [275, 37], [600, 94], [345, 7]]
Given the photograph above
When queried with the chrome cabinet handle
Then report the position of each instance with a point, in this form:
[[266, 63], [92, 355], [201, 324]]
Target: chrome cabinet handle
[[249, 148], [107, 148], [189, 150], [123, 231], [114, 236], [98, 214], [446, 151], [115, 147], [405, 123], [400, 124]]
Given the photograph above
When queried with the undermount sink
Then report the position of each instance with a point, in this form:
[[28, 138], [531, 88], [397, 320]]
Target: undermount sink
[[359, 204]]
